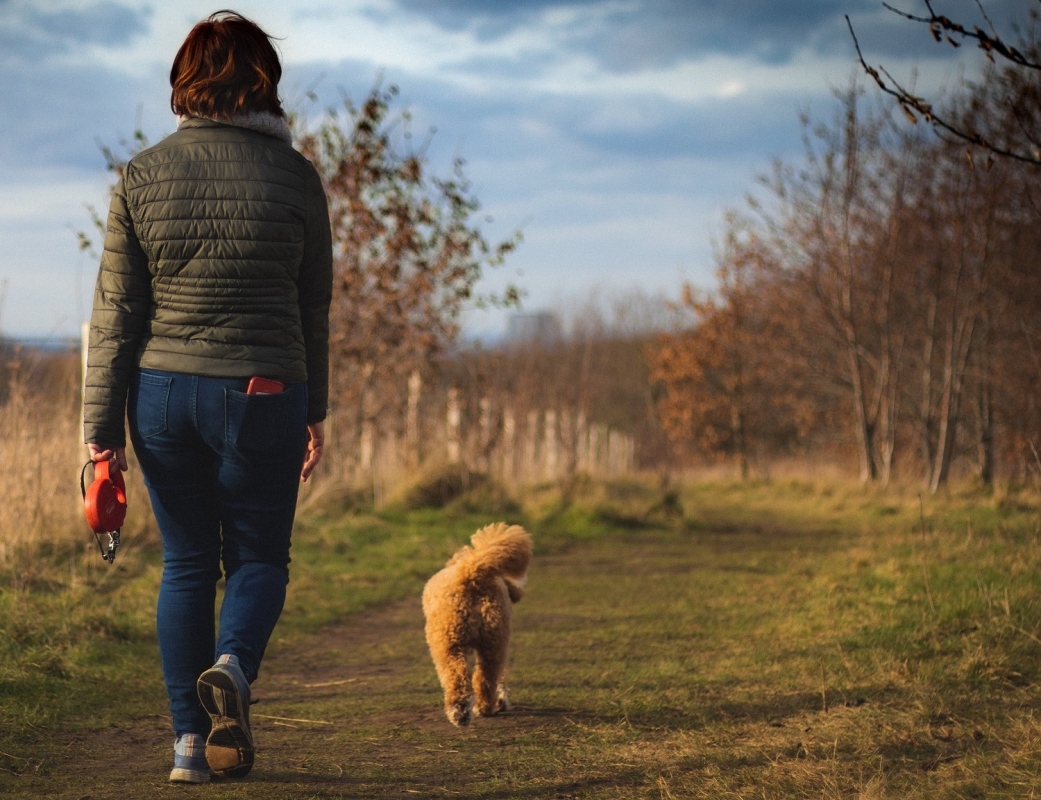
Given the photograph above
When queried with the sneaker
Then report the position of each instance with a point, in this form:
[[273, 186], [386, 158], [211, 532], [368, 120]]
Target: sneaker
[[224, 693], [189, 761]]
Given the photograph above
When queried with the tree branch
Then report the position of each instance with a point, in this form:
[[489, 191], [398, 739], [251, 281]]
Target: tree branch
[[944, 28], [915, 107]]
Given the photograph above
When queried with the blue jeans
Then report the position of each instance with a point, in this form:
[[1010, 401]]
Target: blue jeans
[[222, 470]]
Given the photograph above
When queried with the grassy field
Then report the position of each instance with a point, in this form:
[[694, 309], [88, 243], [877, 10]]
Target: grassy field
[[724, 640]]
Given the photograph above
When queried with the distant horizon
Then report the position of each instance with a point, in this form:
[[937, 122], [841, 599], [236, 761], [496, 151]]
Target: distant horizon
[[511, 333]]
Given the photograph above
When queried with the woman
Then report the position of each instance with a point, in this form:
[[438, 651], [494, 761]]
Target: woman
[[216, 271]]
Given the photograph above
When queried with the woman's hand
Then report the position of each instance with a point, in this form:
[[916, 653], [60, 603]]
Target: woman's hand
[[315, 448], [101, 453]]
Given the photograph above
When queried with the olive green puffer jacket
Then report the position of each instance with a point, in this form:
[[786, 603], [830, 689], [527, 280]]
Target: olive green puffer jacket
[[217, 262]]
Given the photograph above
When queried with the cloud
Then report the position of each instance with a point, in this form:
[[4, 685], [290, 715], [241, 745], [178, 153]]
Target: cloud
[[682, 50], [590, 128], [29, 33], [632, 36], [63, 112], [663, 34], [47, 281]]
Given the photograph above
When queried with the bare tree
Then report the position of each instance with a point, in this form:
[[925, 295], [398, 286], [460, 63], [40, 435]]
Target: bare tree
[[839, 225], [953, 283]]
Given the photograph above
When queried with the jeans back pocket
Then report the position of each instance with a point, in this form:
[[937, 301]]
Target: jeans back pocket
[[257, 423], [147, 403]]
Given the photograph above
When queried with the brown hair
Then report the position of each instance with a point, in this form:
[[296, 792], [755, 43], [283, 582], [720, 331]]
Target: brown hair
[[226, 66]]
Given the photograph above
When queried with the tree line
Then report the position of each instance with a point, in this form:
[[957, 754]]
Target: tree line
[[880, 298]]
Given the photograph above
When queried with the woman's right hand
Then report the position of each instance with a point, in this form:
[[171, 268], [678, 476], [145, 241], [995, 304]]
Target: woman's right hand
[[100, 453], [315, 448]]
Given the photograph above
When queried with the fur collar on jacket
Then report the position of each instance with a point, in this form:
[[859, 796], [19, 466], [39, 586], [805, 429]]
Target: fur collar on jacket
[[260, 121]]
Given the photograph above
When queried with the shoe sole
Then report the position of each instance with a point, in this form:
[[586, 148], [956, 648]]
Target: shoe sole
[[182, 775], [229, 747]]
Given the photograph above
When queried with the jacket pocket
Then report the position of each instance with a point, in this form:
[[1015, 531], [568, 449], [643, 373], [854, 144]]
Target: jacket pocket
[[148, 401], [257, 423]]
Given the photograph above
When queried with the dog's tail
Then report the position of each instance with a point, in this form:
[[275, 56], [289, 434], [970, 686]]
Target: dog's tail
[[502, 550]]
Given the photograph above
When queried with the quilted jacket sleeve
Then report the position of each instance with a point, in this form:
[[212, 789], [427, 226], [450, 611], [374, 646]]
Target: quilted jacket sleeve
[[122, 298], [314, 288]]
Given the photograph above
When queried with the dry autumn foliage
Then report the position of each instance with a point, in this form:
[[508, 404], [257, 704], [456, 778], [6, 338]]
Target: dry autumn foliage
[[715, 380], [407, 253]]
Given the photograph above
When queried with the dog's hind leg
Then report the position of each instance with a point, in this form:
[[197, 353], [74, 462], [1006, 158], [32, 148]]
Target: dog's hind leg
[[454, 674], [490, 678]]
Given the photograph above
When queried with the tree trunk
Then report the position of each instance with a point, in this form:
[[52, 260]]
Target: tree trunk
[[926, 420], [958, 349], [985, 441], [863, 428], [453, 418], [737, 431], [415, 387], [888, 416]]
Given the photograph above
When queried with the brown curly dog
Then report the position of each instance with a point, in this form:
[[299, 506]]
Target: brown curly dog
[[468, 606]]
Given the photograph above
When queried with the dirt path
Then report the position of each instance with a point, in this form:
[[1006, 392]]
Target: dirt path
[[353, 712], [353, 674]]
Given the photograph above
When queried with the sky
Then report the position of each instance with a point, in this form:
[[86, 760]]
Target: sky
[[613, 134]]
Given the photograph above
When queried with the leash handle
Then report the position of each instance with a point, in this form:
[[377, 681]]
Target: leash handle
[[104, 503]]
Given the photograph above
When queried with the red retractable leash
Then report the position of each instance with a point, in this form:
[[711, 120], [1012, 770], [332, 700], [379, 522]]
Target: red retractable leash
[[105, 504]]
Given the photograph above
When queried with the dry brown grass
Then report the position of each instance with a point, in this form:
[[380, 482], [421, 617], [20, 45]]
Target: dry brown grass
[[43, 534]]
